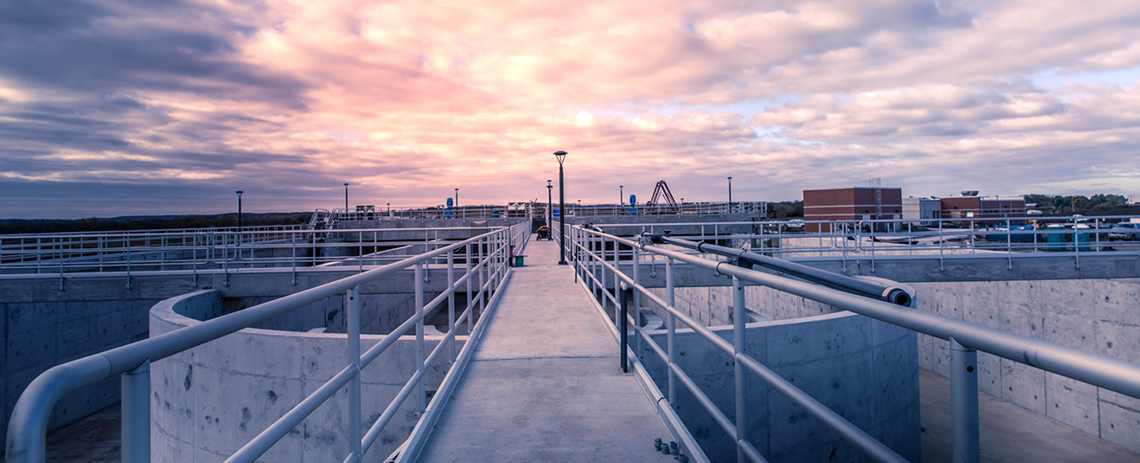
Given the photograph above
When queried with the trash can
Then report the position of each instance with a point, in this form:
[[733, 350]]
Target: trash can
[[518, 261]]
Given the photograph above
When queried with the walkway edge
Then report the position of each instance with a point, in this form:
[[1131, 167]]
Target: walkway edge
[[415, 442]]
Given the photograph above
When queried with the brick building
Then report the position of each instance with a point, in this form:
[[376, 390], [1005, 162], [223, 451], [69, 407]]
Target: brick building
[[978, 207], [852, 204]]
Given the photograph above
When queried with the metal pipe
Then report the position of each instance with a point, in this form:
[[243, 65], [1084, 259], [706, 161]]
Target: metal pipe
[[421, 396], [135, 425], [964, 403], [738, 368], [624, 328], [892, 294], [352, 350], [28, 424], [1098, 370], [672, 327]]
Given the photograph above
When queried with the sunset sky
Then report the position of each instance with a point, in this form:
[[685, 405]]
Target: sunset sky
[[138, 107]]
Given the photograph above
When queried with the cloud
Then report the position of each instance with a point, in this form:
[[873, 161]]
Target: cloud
[[183, 102]]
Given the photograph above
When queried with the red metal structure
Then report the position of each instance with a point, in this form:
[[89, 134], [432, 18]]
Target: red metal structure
[[662, 193]]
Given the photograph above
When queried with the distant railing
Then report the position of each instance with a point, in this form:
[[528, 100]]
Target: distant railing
[[598, 261], [481, 211], [215, 250], [485, 257]]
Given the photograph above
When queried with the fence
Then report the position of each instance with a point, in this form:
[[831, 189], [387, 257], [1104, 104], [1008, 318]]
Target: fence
[[484, 257], [596, 253]]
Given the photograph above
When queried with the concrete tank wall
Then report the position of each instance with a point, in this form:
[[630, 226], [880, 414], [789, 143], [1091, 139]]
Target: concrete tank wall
[[1100, 316], [212, 399], [44, 326], [863, 369], [1094, 315]]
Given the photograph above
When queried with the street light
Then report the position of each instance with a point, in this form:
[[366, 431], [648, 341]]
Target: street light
[[561, 155], [239, 192], [457, 202], [730, 194], [346, 197], [549, 210], [621, 195]]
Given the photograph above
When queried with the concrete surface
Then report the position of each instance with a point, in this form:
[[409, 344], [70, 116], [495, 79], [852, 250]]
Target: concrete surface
[[865, 370], [1096, 316], [210, 400], [545, 383], [1009, 433]]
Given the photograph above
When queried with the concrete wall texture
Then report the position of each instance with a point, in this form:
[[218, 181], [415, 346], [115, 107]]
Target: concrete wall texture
[[1095, 315], [43, 326], [1100, 316], [212, 399], [863, 369]]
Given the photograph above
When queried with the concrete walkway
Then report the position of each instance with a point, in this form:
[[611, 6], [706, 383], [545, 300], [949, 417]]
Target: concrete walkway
[[545, 383]]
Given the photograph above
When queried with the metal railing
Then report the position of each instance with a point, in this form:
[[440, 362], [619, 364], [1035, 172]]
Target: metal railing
[[945, 239], [520, 210], [484, 257], [598, 258], [214, 250]]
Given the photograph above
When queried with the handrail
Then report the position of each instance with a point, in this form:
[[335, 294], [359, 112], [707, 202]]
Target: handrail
[[892, 294], [28, 424], [966, 338]]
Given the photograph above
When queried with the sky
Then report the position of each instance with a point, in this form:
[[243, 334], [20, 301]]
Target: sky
[[135, 107]]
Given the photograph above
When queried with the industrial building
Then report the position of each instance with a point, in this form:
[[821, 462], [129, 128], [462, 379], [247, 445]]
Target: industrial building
[[921, 211], [980, 207], [854, 204]]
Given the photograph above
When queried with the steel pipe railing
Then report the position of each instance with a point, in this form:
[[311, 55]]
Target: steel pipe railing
[[1095, 369], [28, 424]]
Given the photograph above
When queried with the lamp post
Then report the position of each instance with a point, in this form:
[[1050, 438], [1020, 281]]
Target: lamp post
[[549, 210], [239, 192], [389, 210], [457, 202], [730, 194], [561, 155], [621, 195], [346, 198]]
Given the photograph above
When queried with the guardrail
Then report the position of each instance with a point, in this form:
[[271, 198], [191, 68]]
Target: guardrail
[[485, 257], [597, 258], [215, 250]]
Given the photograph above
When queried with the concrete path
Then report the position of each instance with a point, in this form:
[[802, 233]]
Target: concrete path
[[545, 383]]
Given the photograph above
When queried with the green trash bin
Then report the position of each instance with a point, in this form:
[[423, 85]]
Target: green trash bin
[[518, 261]]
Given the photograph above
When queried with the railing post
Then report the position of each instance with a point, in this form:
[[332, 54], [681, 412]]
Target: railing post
[[470, 308], [941, 248], [451, 299], [964, 402], [672, 326], [1009, 243], [421, 391], [617, 272], [352, 306], [636, 299], [135, 426], [623, 327], [738, 320]]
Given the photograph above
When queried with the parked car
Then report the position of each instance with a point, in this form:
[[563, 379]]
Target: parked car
[[1124, 231]]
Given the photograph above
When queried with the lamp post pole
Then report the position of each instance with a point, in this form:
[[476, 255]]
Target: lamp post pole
[[457, 202], [730, 194], [549, 210], [346, 198], [239, 192], [561, 155], [621, 195]]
